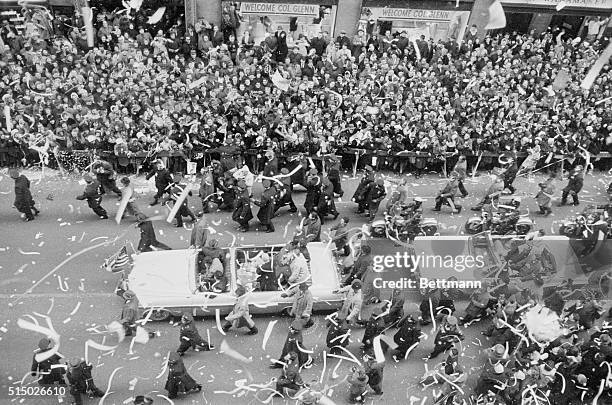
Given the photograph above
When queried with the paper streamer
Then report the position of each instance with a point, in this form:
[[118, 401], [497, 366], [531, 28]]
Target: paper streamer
[[157, 16], [142, 336], [126, 194], [378, 351], [178, 203], [218, 319], [590, 77], [116, 327], [324, 367], [228, 351], [110, 382], [97, 346], [267, 334], [166, 398]]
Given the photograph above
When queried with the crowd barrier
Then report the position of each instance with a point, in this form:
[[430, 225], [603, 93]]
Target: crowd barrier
[[351, 158]]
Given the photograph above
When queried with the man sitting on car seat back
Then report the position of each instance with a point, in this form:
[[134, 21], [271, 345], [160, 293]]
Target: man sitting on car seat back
[[297, 265], [247, 272]]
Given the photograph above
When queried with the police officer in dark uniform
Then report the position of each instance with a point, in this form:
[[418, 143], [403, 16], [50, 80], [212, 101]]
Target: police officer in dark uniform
[[176, 189], [23, 197], [190, 337], [574, 185], [375, 194], [286, 191], [80, 380], [105, 176], [333, 174], [359, 196], [93, 197], [326, 205], [313, 190], [49, 370], [242, 207], [266, 206], [408, 333], [147, 235], [163, 179]]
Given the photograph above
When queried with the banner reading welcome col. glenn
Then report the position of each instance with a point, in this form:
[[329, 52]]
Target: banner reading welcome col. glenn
[[294, 10]]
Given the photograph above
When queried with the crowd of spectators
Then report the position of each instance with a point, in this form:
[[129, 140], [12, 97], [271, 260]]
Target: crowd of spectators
[[176, 90]]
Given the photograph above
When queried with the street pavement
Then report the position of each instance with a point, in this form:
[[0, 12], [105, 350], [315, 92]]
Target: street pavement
[[51, 266]]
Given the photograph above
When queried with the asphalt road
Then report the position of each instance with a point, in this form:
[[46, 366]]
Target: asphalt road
[[52, 266]]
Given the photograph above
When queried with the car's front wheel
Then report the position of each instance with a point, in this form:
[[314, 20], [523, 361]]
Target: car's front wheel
[[158, 315]]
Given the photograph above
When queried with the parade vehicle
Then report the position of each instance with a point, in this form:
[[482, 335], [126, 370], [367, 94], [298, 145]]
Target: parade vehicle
[[167, 282], [588, 225], [503, 219]]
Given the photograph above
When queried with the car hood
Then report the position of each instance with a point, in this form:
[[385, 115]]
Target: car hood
[[168, 273]]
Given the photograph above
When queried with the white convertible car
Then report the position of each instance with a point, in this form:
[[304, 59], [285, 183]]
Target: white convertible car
[[167, 282]]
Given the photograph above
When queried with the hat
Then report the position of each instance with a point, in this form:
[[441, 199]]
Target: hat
[[75, 361], [419, 199], [380, 182], [44, 343], [343, 32], [14, 173], [140, 217], [498, 368], [240, 290], [187, 317], [313, 171], [241, 184], [369, 168], [87, 177], [266, 183], [129, 295], [284, 170], [356, 284], [125, 180]]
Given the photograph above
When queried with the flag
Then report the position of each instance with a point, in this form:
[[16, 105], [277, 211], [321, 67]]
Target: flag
[[118, 261], [497, 17], [279, 81], [603, 59]]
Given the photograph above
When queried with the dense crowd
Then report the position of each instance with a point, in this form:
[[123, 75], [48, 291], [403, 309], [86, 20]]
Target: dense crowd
[[178, 90]]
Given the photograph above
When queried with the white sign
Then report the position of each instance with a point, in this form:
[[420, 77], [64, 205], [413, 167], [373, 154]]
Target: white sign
[[566, 3], [294, 10], [387, 13]]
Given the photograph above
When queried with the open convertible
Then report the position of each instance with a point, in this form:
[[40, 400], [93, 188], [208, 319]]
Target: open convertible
[[169, 283]]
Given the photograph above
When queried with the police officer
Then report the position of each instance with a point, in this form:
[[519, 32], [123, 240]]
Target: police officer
[[375, 194], [80, 380], [574, 185], [49, 370], [93, 197], [23, 197], [313, 190], [286, 191], [176, 189], [190, 337], [266, 206], [105, 176], [333, 174], [359, 196], [163, 179], [242, 207], [326, 205], [147, 235]]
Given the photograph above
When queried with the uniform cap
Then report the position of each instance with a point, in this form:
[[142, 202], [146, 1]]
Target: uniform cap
[[44, 343], [266, 183], [369, 168], [241, 184], [356, 284], [284, 170], [313, 171], [188, 318], [141, 217], [87, 177], [451, 320]]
